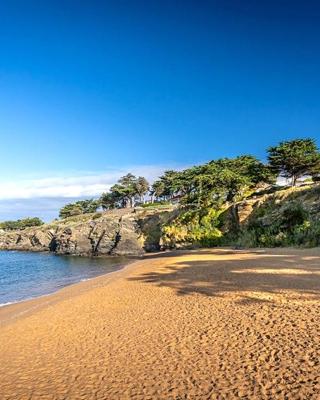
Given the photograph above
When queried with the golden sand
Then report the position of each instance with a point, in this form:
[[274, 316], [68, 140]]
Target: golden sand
[[208, 324]]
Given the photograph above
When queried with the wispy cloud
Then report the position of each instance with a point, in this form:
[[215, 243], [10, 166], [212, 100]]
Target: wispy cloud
[[71, 186], [44, 196]]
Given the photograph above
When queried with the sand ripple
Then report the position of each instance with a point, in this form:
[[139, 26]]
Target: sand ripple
[[211, 324]]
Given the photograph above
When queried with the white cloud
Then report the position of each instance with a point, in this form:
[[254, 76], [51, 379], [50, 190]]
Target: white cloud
[[43, 197], [71, 186]]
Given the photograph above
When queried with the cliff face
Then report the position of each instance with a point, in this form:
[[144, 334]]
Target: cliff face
[[275, 217], [287, 217], [267, 209], [283, 218], [117, 232]]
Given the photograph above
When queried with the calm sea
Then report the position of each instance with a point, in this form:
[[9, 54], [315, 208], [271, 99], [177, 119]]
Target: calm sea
[[25, 275]]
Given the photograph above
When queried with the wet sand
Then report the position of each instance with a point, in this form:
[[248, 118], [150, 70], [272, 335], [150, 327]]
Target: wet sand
[[207, 324]]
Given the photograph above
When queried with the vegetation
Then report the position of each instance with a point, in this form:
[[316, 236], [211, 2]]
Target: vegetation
[[79, 207], [193, 228], [21, 224], [207, 192], [157, 204], [128, 192], [294, 159], [211, 184], [289, 224], [208, 196], [215, 184]]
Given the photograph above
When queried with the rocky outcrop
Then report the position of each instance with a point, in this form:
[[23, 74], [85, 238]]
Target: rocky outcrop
[[275, 216], [117, 232], [135, 231]]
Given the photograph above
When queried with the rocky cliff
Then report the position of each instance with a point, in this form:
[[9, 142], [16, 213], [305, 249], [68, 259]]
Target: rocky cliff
[[286, 217], [117, 232], [283, 217], [273, 217]]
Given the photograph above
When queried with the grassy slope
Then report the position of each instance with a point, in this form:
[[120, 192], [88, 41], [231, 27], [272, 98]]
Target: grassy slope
[[284, 217]]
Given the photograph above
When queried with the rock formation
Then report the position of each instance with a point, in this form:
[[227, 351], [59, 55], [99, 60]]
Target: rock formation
[[117, 232], [135, 231]]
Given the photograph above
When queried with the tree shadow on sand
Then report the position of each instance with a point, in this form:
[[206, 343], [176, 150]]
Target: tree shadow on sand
[[267, 273]]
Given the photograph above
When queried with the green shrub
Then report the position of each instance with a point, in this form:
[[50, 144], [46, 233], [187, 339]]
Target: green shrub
[[193, 227], [292, 215], [156, 204], [21, 223], [289, 225]]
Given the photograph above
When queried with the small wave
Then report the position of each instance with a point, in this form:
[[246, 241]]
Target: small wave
[[8, 303]]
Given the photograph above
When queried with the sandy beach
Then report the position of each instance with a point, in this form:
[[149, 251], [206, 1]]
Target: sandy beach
[[205, 324]]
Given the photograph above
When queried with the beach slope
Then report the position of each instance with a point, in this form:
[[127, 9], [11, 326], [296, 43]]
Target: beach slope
[[205, 324]]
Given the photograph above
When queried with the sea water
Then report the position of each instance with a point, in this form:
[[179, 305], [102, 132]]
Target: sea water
[[25, 275]]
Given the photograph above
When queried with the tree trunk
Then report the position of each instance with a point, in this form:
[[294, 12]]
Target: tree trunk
[[294, 180], [235, 223], [127, 203]]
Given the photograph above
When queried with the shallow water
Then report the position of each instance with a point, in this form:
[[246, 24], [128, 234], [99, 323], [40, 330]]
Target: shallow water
[[25, 275]]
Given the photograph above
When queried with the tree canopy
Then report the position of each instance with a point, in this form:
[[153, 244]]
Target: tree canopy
[[219, 180], [293, 159], [79, 207], [21, 223], [126, 192], [211, 184], [225, 180]]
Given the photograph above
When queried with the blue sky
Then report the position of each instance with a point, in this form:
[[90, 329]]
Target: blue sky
[[89, 90]]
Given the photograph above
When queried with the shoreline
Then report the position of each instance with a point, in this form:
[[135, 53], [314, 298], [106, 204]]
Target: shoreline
[[22, 307], [199, 324], [12, 311], [82, 284], [121, 266]]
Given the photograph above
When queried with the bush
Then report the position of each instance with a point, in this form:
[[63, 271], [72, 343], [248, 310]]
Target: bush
[[155, 205], [307, 234], [79, 208], [21, 223], [193, 228], [290, 225], [292, 215]]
